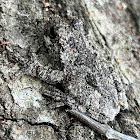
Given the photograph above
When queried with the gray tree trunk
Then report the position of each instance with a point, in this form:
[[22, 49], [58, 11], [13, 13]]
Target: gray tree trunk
[[25, 114]]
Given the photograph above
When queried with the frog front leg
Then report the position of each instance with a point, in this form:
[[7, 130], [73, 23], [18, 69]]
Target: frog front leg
[[44, 73]]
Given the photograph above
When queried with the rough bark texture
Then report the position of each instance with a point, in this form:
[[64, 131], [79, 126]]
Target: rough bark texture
[[113, 26]]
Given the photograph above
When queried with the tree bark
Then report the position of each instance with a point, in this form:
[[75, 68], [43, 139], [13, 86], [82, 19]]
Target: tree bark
[[24, 112]]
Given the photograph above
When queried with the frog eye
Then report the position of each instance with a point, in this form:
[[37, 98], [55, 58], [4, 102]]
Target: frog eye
[[77, 25]]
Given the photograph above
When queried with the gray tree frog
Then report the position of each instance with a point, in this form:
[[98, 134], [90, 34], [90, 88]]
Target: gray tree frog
[[91, 84]]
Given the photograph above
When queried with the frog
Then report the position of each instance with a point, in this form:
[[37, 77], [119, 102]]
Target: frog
[[90, 83]]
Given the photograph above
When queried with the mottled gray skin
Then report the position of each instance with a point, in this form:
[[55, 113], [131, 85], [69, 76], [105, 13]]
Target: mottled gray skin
[[90, 82]]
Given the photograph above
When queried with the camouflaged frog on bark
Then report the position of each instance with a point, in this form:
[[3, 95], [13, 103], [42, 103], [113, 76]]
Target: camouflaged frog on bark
[[91, 84]]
